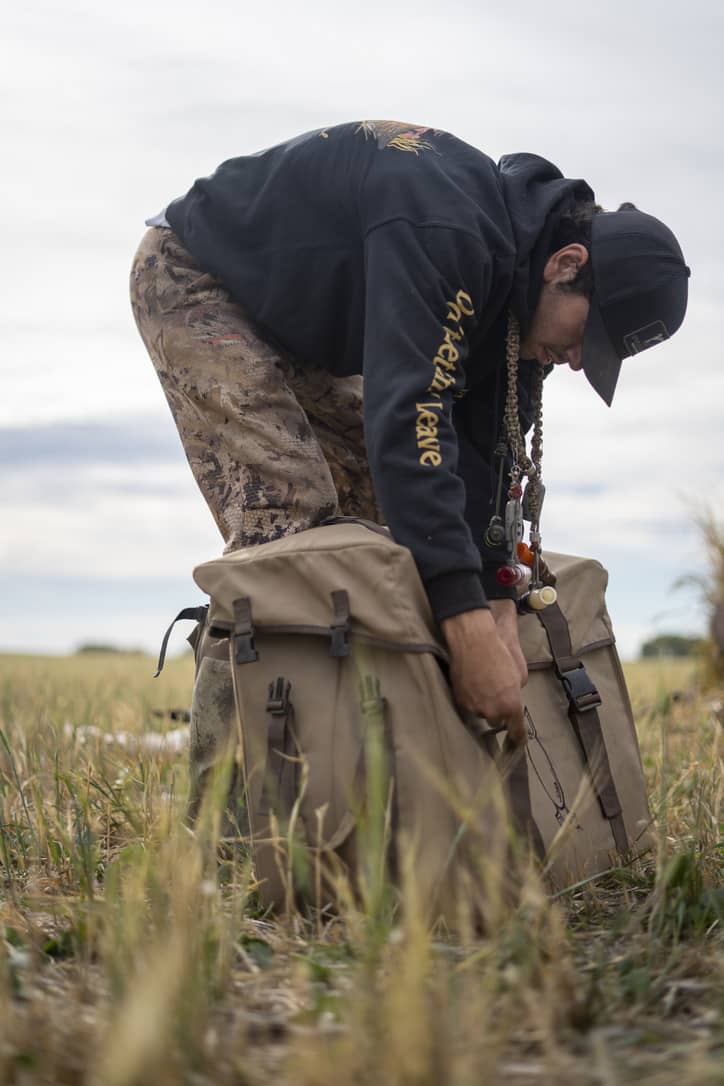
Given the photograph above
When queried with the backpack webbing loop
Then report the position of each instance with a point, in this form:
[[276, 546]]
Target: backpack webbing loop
[[279, 790]]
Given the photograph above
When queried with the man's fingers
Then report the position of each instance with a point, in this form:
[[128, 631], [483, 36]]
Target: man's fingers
[[517, 730], [519, 660]]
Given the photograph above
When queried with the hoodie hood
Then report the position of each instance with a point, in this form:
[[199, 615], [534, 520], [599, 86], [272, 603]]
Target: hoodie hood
[[536, 194]]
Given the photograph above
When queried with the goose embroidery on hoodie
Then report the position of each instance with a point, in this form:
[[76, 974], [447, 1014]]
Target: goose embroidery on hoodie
[[397, 134]]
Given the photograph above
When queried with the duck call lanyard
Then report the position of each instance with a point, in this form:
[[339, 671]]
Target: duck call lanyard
[[521, 505]]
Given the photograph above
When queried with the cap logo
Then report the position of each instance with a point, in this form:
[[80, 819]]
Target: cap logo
[[637, 341]]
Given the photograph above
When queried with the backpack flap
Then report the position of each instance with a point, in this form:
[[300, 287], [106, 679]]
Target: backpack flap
[[291, 579]]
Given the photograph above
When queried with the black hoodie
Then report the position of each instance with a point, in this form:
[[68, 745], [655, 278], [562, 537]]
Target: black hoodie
[[395, 251]]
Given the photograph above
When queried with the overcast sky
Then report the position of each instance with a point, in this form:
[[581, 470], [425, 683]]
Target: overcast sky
[[109, 111]]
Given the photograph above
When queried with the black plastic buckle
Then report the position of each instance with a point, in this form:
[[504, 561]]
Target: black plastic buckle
[[340, 640], [341, 627], [244, 632], [278, 700], [580, 691]]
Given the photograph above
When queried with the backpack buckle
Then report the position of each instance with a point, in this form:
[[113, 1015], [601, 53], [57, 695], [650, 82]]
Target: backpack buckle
[[244, 644], [341, 626], [580, 691], [278, 700]]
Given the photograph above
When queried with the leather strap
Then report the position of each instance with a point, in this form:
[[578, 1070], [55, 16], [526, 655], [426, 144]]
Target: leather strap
[[196, 613], [583, 700], [513, 766]]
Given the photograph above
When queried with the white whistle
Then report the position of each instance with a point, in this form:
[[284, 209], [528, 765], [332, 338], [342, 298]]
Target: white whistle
[[540, 598]]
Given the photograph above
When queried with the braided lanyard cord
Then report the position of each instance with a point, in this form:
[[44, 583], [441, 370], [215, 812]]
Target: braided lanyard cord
[[524, 465]]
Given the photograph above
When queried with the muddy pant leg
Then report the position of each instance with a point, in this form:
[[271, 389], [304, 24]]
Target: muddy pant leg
[[248, 440], [214, 742]]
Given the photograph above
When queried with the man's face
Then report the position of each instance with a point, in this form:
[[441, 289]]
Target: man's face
[[556, 331]]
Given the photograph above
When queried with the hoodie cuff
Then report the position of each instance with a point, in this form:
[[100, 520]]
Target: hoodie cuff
[[452, 593]]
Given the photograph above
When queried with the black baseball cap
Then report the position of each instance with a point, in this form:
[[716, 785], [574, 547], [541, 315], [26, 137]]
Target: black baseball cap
[[640, 288]]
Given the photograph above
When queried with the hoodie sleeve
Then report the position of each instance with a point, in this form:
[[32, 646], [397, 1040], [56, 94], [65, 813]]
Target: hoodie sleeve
[[425, 288]]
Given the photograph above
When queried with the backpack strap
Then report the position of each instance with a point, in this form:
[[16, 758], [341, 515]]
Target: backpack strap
[[279, 790], [511, 762], [374, 709], [513, 766], [275, 767], [583, 701], [281, 780], [196, 613], [341, 625], [380, 529], [339, 629]]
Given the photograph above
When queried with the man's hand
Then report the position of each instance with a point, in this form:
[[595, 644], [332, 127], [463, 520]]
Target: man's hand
[[485, 678], [505, 614]]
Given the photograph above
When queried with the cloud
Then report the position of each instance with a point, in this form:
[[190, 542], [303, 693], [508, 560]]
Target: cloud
[[101, 514], [53, 614], [120, 107], [101, 500], [128, 441]]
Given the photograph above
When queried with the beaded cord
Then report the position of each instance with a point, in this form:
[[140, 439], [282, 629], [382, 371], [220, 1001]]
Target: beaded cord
[[523, 465]]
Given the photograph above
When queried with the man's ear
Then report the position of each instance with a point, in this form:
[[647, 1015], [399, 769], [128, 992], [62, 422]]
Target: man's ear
[[565, 264]]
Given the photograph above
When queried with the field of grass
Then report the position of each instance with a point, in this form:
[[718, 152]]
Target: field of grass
[[127, 956]]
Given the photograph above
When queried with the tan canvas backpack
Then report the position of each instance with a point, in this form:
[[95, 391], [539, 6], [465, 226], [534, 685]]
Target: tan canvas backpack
[[588, 793], [318, 662]]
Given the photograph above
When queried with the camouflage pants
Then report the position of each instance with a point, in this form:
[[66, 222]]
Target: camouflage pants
[[274, 446]]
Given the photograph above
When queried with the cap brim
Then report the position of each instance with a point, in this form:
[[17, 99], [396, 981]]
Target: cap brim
[[599, 358]]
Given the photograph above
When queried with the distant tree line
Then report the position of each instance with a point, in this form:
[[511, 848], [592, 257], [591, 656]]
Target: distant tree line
[[671, 645], [100, 646]]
